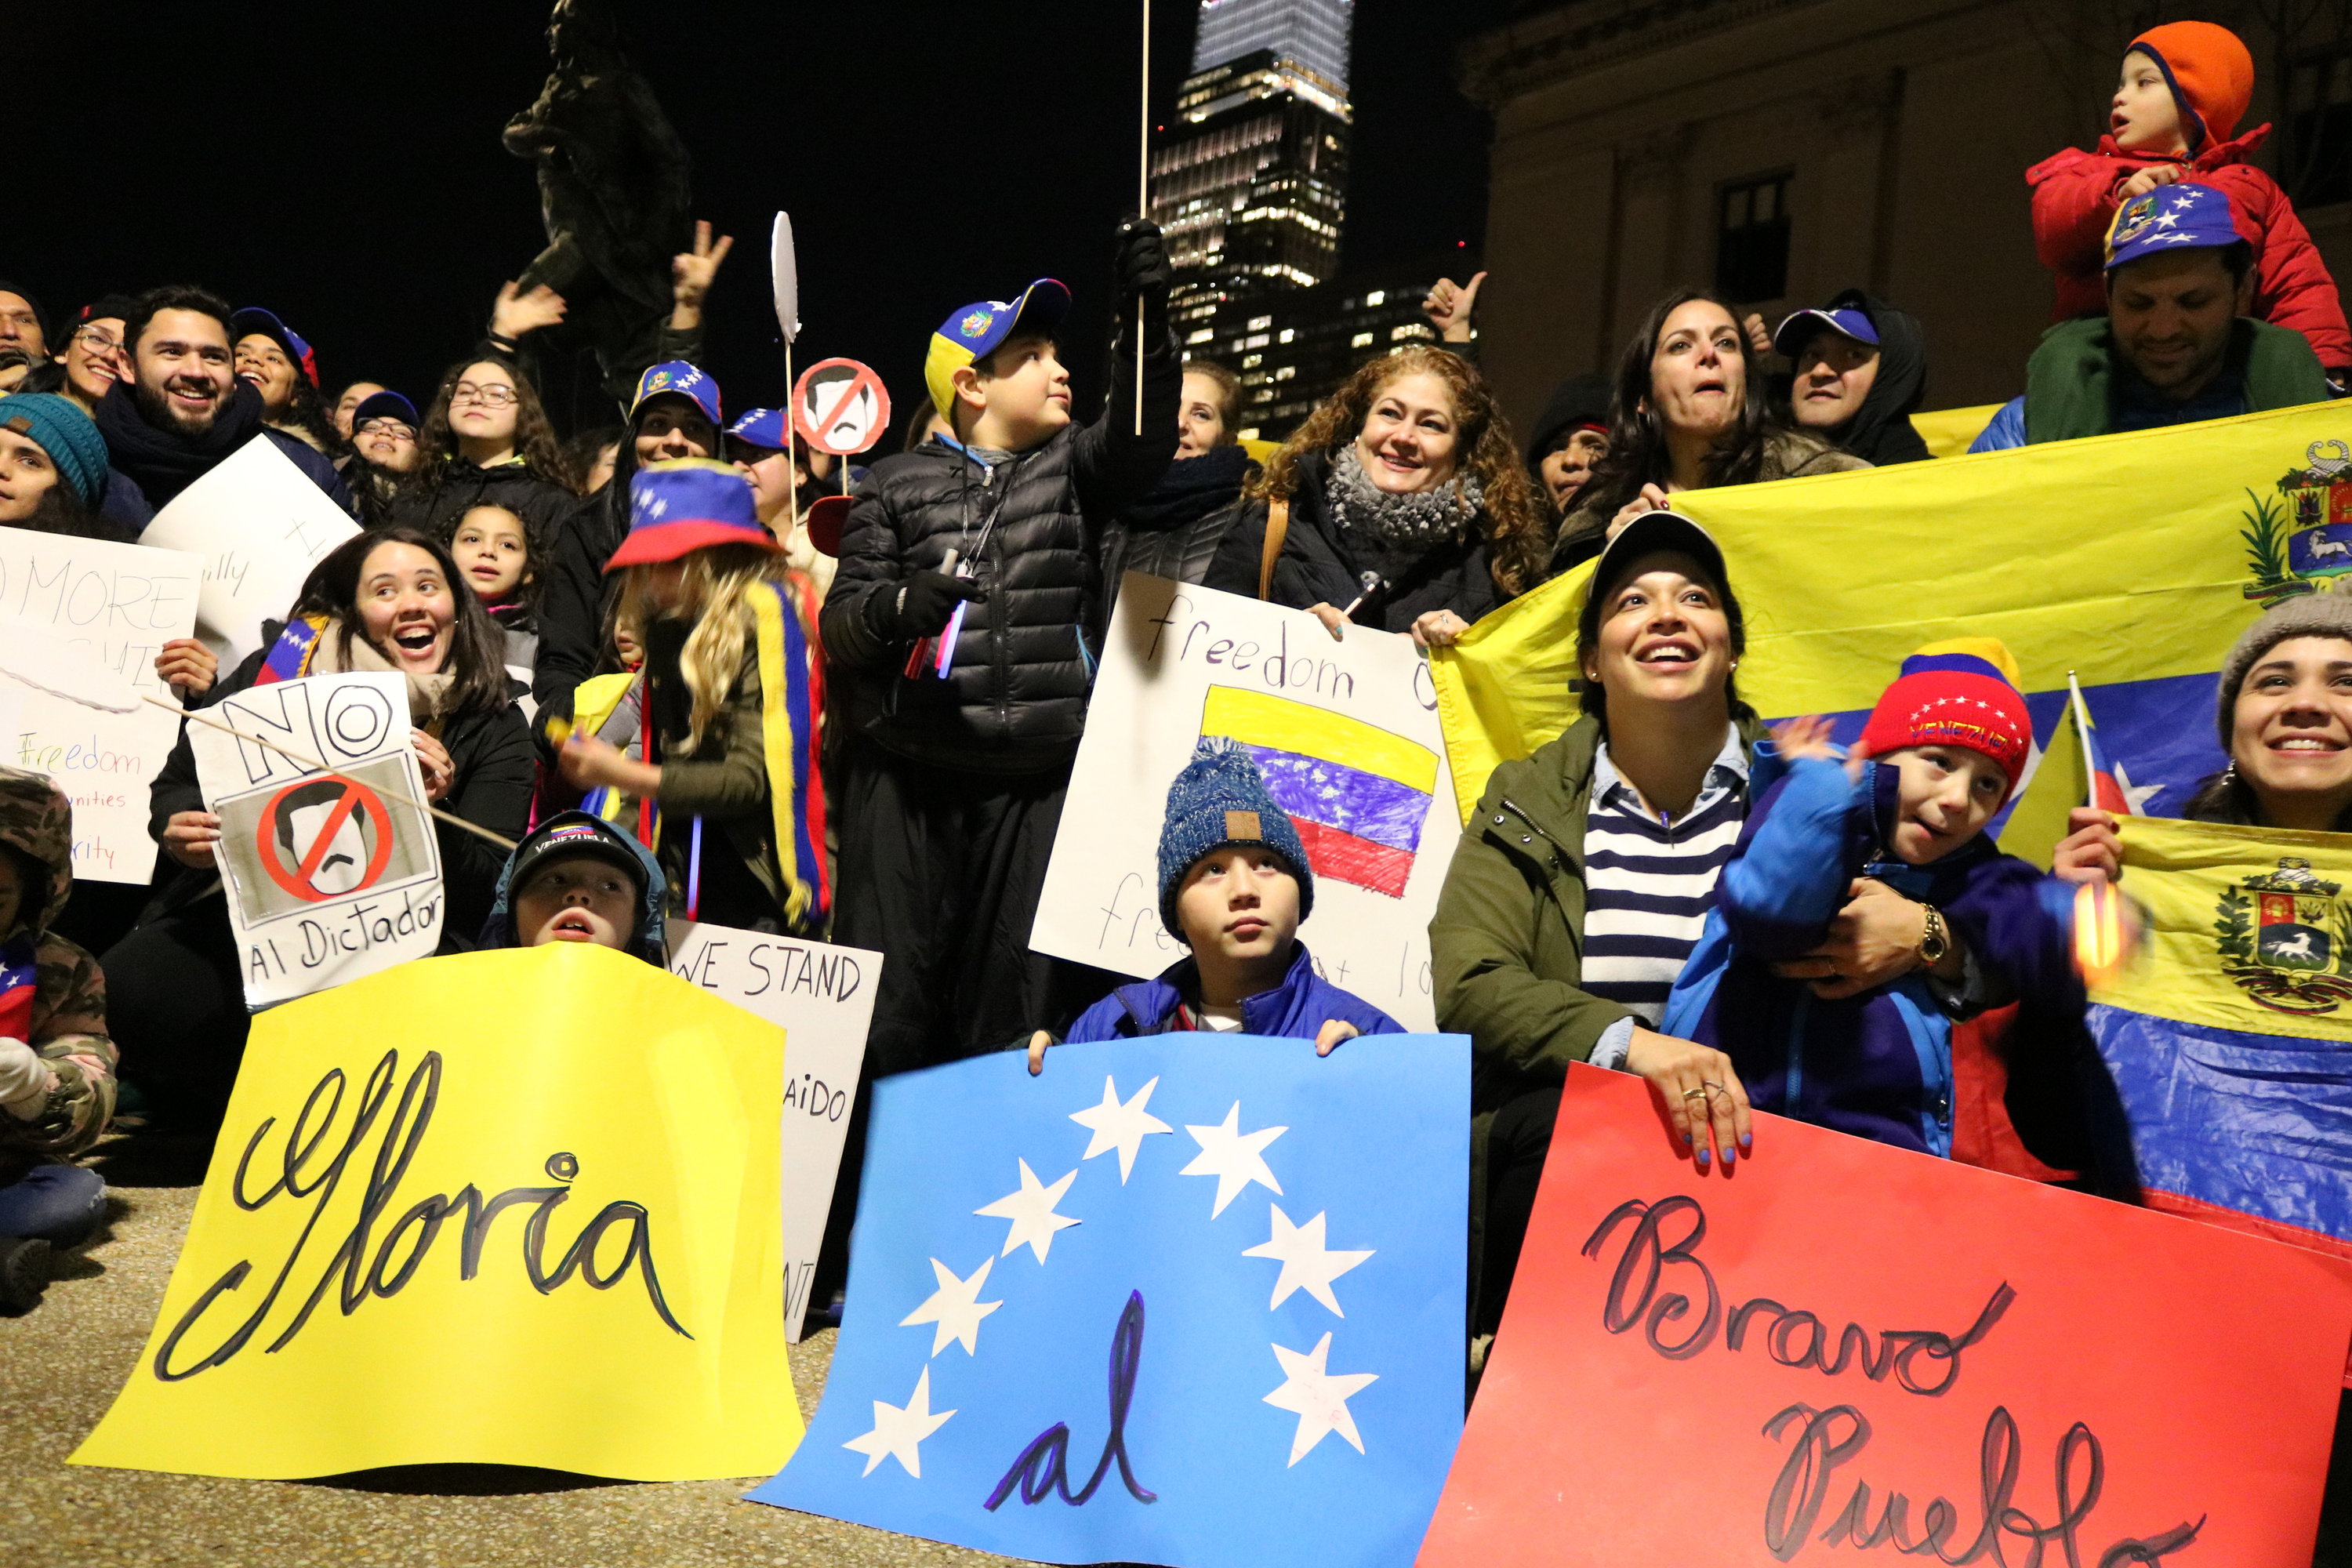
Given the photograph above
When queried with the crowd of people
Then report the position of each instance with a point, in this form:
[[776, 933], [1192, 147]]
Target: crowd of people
[[693, 669]]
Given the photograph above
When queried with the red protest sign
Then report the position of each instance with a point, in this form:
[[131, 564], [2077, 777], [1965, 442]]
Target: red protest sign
[[840, 406], [1840, 1349]]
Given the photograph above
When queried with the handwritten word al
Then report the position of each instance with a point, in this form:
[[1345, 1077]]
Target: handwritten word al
[[1826, 1440], [385, 1272], [1637, 1297], [1043, 1468]]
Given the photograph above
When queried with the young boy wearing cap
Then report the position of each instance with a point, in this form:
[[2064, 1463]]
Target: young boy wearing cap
[[1945, 746], [579, 878], [2184, 88], [956, 761], [1233, 887]]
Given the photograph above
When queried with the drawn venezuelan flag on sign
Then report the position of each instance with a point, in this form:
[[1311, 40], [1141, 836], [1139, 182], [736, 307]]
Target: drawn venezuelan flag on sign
[[1358, 794]]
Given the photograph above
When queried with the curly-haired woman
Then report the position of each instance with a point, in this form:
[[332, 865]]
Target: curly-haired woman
[[486, 441], [1400, 504]]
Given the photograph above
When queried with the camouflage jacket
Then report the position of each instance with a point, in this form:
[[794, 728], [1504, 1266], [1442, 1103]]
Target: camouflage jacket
[[68, 1030]]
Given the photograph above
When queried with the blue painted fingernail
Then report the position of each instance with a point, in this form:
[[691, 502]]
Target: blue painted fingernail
[[1730, 1158], [1699, 1159], [1745, 1139]]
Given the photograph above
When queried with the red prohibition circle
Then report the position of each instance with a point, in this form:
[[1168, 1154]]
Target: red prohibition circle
[[363, 799], [863, 382]]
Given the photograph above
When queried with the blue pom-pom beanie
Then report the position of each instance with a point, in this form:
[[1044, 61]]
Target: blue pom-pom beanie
[[1220, 799]]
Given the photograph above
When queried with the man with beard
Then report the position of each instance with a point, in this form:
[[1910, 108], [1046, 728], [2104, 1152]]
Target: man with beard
[[179, 407], [24, 335]]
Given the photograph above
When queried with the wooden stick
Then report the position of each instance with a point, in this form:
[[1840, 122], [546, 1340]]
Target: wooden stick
[[792, 443], [1143, 202], [196, 716]]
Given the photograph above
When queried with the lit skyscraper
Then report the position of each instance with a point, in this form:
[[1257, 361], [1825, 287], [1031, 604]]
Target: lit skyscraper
[[1312, 33], [1250, 189]]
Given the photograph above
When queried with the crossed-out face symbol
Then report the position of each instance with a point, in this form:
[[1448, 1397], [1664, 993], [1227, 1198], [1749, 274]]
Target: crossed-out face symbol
[[314, 838]]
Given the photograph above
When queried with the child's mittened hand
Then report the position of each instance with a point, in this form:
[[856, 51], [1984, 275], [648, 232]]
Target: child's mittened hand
[[2147, 179], [1334, 1030]]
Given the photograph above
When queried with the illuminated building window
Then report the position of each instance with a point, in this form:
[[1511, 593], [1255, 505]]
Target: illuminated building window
[[1360, 341]]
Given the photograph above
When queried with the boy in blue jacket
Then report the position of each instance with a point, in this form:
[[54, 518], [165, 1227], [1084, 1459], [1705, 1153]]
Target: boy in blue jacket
[[1945, 746], [1233, 887]]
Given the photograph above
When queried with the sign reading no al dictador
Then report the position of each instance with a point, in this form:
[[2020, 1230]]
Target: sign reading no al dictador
[[328, 876]]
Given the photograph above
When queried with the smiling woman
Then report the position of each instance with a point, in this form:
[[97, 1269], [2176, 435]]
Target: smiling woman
[[381, 601], [1401, 504], [1689, 415]]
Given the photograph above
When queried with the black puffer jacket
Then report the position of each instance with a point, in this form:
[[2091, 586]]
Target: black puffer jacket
[[1174, 530], [1318, 567], [1015, 699], [460, 486]]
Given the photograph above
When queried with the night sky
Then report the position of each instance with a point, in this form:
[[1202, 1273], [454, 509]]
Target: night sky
[[341, 164]]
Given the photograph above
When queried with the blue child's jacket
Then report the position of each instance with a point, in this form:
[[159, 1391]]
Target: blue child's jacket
[[1297, 1008], [1879, 1064]]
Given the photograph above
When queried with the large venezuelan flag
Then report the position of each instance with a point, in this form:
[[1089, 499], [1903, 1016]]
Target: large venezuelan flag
[[1358, 794], [2135, 560], [2230, 1042]]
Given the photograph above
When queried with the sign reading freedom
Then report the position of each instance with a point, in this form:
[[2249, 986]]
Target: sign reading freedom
[[1839, 1349]]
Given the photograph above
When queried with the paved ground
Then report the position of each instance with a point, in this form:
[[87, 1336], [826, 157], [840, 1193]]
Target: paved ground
[[61, 1366]]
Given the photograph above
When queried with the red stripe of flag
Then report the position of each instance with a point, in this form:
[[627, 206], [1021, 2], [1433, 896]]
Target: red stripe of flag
[[1360, 862]]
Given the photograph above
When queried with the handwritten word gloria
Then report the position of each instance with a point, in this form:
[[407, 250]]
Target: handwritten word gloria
[[384, 1269], [1795, 1338]]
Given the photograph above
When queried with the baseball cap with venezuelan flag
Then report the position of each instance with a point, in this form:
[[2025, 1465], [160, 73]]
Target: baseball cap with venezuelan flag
[[978, 329]]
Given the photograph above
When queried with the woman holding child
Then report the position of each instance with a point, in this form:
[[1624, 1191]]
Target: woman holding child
[[1584, 880], [389, 601], [1401, 504]]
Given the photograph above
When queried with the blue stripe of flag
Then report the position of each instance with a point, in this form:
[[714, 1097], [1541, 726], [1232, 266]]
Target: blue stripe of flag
[[1349, 799]]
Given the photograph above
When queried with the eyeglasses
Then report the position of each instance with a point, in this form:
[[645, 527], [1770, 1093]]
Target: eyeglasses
[[98, 340], [490, 396], [392, 427]]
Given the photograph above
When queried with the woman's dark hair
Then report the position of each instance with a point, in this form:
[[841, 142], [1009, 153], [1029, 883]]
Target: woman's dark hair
[[379, 493], [918, 423], [43, 375], [308, 414], [60, 511], [2226, 796], [580, 452], [1638, 454], [476, 663], [1590, 696], [535, 440]]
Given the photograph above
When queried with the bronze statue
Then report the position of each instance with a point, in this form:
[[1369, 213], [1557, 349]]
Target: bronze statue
[[614, 188]]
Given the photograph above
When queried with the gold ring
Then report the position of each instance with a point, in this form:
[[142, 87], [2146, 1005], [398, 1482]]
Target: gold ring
[[1694, 1094]]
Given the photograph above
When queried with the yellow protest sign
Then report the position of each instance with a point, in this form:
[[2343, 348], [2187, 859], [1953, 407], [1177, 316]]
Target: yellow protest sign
[[2132, 559], [510, 1207]]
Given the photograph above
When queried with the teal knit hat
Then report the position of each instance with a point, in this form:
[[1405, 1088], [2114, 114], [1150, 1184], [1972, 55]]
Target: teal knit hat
[[60, 429], [1221, 799]]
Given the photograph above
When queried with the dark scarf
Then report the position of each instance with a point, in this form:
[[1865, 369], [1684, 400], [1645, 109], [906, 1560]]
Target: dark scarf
[[1190, 488], [162, 463]]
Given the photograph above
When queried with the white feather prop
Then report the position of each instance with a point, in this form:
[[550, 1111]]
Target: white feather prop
[[36, 656], [785, 273]]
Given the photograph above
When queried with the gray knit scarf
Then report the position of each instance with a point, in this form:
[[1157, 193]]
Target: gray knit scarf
[[1420, 519]]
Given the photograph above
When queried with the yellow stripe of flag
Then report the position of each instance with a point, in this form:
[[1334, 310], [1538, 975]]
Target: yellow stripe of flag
[[1260, 719]]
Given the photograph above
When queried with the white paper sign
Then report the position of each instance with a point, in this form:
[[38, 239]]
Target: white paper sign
[[1346, 734], [260, 525], [120, 603], [332, 875], [823, 997]]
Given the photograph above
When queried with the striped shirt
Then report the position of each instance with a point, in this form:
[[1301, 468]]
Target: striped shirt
[[1649, 883]]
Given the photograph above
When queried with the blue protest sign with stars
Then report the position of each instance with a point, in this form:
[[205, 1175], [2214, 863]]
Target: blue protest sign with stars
[[1193, 1300]]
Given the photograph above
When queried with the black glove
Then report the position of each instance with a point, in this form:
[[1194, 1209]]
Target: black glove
[[919, 606], [1143, 277]]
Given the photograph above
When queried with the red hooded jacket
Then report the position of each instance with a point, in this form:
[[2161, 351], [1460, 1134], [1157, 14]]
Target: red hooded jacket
[[2074, 201]]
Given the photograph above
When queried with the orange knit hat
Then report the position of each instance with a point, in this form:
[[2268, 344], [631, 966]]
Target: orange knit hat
[[2210, 71]]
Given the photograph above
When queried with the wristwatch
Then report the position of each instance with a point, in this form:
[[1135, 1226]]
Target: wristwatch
[[1936, 941]]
